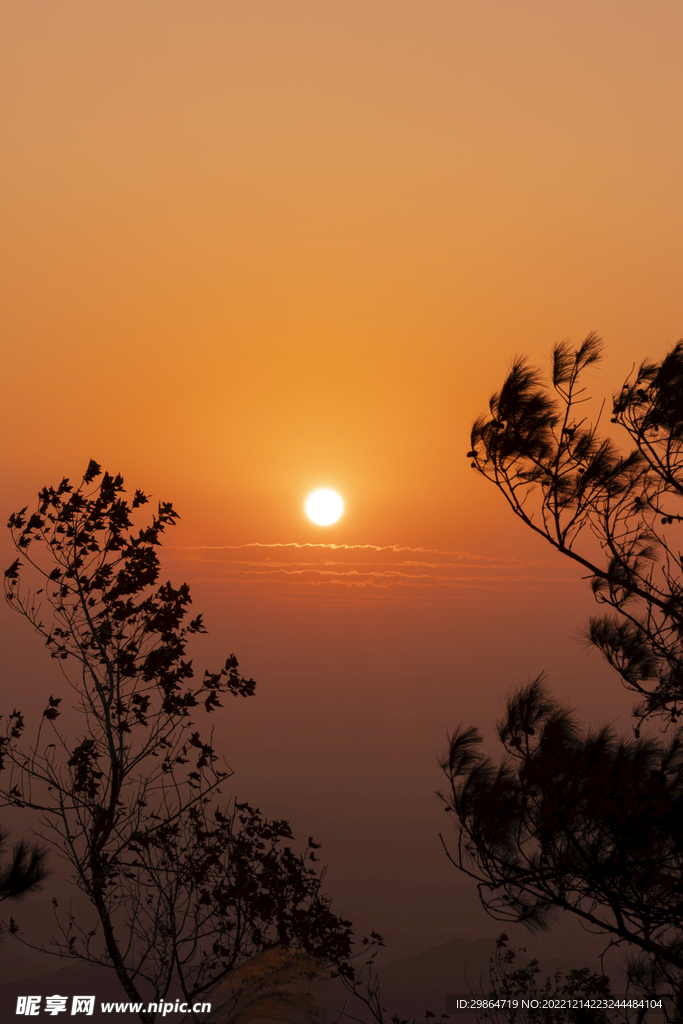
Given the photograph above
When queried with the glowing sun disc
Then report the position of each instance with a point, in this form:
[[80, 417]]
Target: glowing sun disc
[[324, 507]]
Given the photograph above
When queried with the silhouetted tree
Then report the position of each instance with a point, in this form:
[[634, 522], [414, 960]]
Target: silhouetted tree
[[573, 487], [555, 998], [183, 891], [587, 823]]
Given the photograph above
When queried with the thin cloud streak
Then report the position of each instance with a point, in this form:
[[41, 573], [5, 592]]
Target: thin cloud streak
[[511, 564], [334, 569], [335, 547], [389, 548], [416, 582], [386, 572]]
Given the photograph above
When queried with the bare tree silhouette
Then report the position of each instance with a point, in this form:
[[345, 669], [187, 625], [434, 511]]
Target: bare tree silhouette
[[182, 890]]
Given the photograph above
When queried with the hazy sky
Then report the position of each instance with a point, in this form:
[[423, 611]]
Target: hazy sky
[[255, 248]]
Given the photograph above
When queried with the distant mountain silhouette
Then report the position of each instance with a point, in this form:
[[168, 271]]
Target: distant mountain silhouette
[[408, 986], [413, 984]]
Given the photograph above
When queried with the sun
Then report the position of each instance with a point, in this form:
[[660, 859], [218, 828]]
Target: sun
[[324, 507]]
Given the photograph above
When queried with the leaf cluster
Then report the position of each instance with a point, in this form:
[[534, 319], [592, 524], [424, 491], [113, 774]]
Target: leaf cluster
[[585, 822]]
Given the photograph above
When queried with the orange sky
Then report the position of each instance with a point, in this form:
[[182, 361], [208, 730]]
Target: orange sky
[[253, 248]]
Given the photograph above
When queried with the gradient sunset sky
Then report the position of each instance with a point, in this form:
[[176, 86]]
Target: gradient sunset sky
[[255, 248]]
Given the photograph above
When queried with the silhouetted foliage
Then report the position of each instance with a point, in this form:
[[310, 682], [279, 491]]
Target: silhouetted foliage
[[589, 823], [511, 986], [25, 872], [571, 486], [183, 890]]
